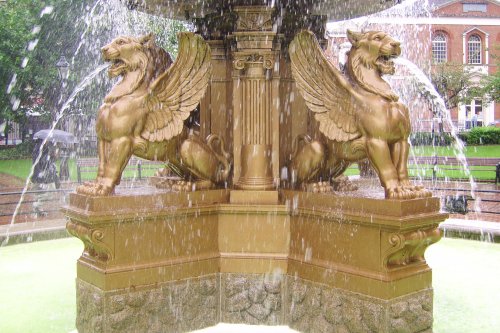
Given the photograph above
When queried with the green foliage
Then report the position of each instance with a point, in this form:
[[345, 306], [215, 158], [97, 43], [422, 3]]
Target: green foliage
[[455, 84], [19, 20], [491, 87], [489, 135], [31, 44], [429, 139], [20, 151]]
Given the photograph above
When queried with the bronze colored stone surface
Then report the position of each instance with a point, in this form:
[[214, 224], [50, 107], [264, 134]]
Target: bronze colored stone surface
[[144, 113], [359, 115], [165, 261], [367, 251]]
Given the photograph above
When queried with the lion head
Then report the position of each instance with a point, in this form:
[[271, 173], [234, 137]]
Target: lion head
[[140, 56], [373, 51]]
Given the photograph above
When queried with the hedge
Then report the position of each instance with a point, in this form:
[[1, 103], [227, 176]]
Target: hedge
[[18, 152], [489, 135], [431, 139]]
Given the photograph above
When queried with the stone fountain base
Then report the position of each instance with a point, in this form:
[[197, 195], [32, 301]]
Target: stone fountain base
[[177, 262]]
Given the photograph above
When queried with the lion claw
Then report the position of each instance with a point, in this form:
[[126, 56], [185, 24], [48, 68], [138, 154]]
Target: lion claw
[[94, 189], [407, 192]]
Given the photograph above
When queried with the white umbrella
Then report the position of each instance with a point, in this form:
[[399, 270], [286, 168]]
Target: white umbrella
[[55, 136]]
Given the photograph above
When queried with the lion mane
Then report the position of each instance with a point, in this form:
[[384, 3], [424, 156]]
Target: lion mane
[[131, 55], [371, 52]]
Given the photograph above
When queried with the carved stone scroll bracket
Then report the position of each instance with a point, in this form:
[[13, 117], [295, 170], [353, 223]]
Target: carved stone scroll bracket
[[93, 241], [244, 61], [408, 248]]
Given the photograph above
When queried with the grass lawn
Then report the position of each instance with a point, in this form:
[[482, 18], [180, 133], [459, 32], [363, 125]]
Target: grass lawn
[[17, 168], [37, 284], [22, 168], [446, 171], [469, 151]]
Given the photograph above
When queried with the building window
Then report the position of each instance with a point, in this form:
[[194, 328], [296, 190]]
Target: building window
[[474, 113], [474, 48], [439, 48], [474, 7]]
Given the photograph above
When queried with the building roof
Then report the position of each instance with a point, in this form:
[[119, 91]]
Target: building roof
[[419, 8]]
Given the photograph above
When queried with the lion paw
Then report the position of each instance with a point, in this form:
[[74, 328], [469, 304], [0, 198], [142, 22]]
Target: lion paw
[[400, 193], [407, 192], [319, 187], [418, 190], [343, 184], [179, 185], [94, 189]]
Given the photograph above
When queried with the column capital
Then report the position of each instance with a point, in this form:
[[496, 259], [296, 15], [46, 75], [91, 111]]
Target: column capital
[[242, 59]]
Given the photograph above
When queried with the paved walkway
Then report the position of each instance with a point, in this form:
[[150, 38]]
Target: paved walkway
[[32, 231], [473, 229]]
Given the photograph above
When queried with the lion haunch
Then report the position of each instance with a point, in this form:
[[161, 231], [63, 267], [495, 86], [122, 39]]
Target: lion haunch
[[359, 115], [144, 113]]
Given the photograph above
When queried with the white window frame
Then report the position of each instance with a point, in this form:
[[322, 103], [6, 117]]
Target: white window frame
[[439, 48], [474, 48]]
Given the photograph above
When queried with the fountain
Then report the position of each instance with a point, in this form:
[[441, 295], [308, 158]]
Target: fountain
[[250, 246]]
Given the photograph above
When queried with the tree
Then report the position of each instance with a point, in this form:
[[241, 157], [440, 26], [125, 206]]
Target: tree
[[457, 84], [491, 87], [18, 37], [31, 43]]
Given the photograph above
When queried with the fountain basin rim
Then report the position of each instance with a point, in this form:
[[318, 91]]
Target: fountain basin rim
[[335, 10]]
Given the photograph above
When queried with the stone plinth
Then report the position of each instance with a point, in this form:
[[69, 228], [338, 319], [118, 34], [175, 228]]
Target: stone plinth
[[175, 262]]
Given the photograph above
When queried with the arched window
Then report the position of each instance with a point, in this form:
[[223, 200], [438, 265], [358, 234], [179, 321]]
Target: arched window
[[474, 49], [439, 48]]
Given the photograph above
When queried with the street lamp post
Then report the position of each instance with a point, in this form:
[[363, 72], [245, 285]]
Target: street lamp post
[[62, 66]]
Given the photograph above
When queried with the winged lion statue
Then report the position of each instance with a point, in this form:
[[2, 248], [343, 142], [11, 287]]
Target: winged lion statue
[[144, 113], [359, 115]]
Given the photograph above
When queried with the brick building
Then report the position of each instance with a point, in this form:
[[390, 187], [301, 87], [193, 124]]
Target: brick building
[[434, 32]]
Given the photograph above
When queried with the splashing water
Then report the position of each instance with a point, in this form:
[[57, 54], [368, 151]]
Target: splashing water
[[439, 106], [79, 88]]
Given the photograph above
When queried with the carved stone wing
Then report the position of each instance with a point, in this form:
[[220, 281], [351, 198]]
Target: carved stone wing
[[177, 92], [324, 88]]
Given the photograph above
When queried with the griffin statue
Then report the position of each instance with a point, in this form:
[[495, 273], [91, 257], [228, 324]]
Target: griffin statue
[[144, 113], [359, 115]]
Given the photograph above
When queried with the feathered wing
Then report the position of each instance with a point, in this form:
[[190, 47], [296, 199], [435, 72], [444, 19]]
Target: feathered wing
[[325, 90], [177, 92]]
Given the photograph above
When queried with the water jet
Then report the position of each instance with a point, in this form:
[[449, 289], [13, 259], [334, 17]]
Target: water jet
[[254, 249]]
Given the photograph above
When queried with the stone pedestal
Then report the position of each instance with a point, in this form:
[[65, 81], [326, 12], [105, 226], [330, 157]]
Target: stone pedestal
[[175, 262]]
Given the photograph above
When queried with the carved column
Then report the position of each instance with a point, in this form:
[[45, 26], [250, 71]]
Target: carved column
[[255, 99]]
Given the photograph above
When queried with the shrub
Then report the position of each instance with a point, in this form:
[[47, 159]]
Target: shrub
[[429, 139], [489, 135], [18, 152]]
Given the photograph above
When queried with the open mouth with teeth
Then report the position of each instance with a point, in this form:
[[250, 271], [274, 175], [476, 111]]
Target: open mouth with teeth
[[386, 64], [117, 67]]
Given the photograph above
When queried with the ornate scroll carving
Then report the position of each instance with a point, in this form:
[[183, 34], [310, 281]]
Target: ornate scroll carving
[[409, 247], [242, 60], [93, 240]]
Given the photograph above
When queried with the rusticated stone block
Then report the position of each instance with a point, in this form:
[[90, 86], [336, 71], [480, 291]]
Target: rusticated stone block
[[254, 299], [89, 308], [180, 306], [317, 308]]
